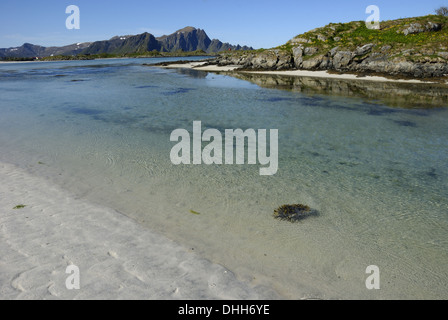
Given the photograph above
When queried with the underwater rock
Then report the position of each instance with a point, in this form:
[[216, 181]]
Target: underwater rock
[[293, 212]]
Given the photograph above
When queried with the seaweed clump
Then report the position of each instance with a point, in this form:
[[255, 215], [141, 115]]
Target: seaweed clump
[[293, 212]]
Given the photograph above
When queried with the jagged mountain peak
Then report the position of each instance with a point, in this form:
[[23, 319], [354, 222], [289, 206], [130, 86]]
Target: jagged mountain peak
[[187, 39], [120, 37], [187, 29]]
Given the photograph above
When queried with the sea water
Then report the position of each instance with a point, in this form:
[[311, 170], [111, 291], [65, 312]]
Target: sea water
[[377, 175]]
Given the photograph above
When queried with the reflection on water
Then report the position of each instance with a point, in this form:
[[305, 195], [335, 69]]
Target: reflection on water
[[404, 95], [192, 73]]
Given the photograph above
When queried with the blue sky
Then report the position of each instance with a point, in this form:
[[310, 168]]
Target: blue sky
[[257, 23]]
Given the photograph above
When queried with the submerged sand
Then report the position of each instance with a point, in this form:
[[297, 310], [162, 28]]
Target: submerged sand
[[117, 258]]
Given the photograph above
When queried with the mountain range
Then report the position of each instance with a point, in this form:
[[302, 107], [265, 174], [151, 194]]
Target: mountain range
[[187, 39]]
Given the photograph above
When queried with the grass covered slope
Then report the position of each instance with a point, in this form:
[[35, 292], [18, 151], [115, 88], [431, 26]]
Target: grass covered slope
[[419, 39]]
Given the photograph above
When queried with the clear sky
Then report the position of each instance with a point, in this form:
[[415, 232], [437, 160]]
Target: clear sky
[[257, 23]]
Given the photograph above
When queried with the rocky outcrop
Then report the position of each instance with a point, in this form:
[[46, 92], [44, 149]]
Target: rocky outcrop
[[342, 59], [415, 28], [362, 59], [397, 49], [265, 60]]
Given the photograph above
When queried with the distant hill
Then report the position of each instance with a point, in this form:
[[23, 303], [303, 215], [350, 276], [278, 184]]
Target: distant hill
[[127, 44], [187, 40], [28, 50]]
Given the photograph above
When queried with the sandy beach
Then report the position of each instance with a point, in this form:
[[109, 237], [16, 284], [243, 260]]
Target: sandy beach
[[117, 258], [201, 66], [9, 62], [326, 74]]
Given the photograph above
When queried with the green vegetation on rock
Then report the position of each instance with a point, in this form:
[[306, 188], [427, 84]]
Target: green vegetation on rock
[[425, 36]]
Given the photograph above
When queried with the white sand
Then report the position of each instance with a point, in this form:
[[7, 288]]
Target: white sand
[[18, 61], [199, 66], [117, 258], [326, 74]]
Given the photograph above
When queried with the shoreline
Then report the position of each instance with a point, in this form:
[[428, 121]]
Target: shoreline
[[205, 66], [117, 257], [111, 58], [328, 75], [9, 62]]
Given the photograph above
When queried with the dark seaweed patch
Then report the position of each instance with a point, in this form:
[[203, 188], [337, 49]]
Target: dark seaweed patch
[[322, 103], [294, 212], [276, 99], [121, 120], [316, 101], [348, 164], [98, 66], [432, 173], [315, 154], [86, 111], [177, 91], [380, 111], [420, 112], [405, 123], [146, 87]]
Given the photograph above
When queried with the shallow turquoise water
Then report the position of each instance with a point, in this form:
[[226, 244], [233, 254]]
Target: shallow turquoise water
[[376, 174]]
